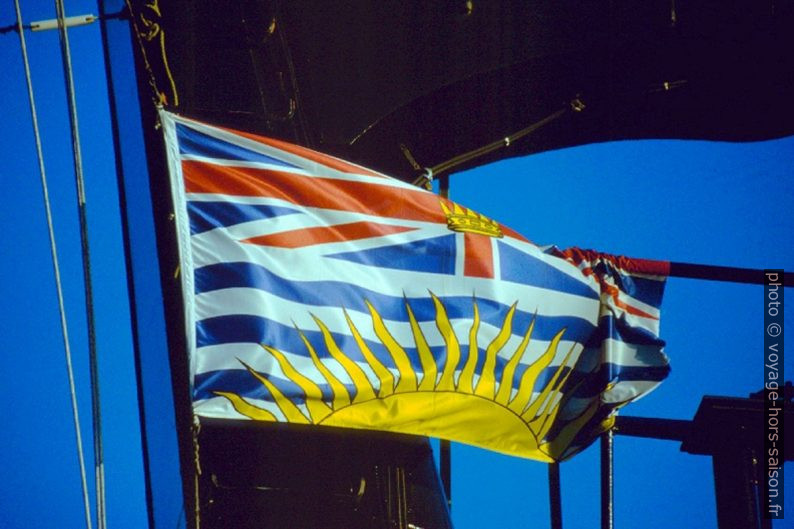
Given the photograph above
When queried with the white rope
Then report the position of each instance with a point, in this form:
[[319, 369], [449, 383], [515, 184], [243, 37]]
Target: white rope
[[99, 470], [56, 268]]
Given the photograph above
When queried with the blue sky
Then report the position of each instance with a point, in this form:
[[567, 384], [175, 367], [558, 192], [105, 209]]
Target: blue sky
[[693, 201]]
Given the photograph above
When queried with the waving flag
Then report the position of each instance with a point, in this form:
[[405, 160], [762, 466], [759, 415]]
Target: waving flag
[[320, 292]]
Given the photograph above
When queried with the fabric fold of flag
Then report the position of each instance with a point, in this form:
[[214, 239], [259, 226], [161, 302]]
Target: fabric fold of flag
[[320, 292]]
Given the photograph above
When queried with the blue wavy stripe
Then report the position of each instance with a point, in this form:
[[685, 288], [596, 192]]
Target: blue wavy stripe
[[585, 437], [241, 382], [589, 389], [205, 216], [434, 255], [618, 329], [648, 291], [251, 329], [245, 328], [193, 142], [352, 297], [288, 338], [523, 268], [594, 383], [257, 330]]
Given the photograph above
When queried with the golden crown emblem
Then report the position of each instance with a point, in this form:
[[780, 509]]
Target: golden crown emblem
[[466, 220]]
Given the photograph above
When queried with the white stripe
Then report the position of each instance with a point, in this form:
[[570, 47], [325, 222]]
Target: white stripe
[[623, 392], [626, 299], [221, 408], [460, 255], [497, 260], [310, 166], [649, 324], [246, 164], [297, 265], [225, 358], [240, 199], [260, 303], [561, 265], [305, 168], [308, 219], [262, 362], [627, 354]]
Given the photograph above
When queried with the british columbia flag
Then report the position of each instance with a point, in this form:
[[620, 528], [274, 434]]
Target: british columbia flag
[[320, 292]]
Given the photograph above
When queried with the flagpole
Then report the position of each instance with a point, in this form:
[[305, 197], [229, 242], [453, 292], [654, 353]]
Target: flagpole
[[445, 467], [725, 273], [555, 496], [607, 499], [656, 267]]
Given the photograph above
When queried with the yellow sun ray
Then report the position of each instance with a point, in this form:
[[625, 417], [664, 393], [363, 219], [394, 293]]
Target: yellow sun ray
[[548, 420], [506, 384], [557, 446], [429, 368], [552, 402], [314, 395], [527, 384], [486, 385], [466, 379], [363, 386], [243, 408], [341, 395], [290, 410], [385, 377], [407, 379], [532, 411], [447, 381]]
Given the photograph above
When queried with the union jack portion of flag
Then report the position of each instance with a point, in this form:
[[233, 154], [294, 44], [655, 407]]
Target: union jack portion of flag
[[320, 292]]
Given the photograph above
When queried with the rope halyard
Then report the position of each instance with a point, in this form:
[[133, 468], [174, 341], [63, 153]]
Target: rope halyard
[[96, 415], [196, 430], [56, 268], [153, 30]]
